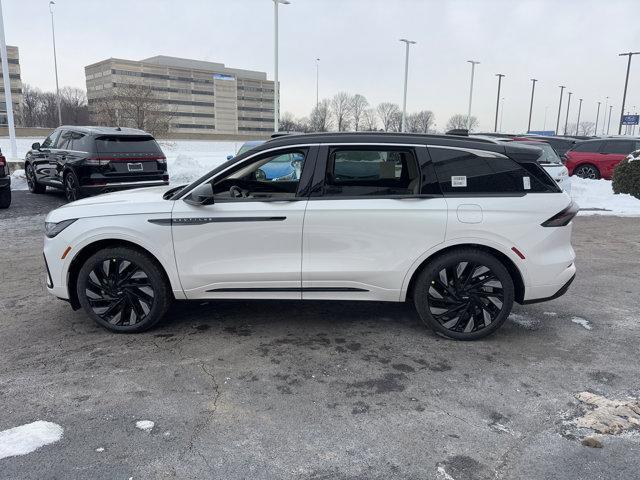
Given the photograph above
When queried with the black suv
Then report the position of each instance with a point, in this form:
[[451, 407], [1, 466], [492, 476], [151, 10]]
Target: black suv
[[90, 160], [5, 183]]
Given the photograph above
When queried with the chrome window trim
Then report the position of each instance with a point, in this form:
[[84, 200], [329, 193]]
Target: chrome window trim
[[475, 151]]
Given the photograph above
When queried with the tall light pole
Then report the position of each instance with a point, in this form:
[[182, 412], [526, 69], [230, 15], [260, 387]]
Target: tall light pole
[[55, 61], [604, 115], [626, 82], [533, 89], [579, 110], [609, 121], [597, 115], [499, 75], [501, 112], [406, 75], [7, 87], [544, 124], [562, 87], [276, 93], [317, 81], [566, 120], [473, 68]]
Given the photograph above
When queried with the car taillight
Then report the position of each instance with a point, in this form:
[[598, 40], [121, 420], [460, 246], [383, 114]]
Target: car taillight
[[162, 160], [564, 217], [3, 161], [95, 161]]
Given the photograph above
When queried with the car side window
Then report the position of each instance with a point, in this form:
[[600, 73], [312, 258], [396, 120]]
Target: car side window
[[462, 172], [269, 176], [376, 171], [587, 147], [623, 147], [64, 140], [51, 140]]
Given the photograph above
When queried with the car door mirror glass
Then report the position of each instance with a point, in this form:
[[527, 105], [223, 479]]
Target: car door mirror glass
[[201, 195], [35, 146]]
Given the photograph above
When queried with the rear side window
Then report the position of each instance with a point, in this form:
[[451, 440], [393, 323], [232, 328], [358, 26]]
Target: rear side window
[[128, 145], [620, 146], [64, 140], [371, 172], [587, 147], [460, 173]]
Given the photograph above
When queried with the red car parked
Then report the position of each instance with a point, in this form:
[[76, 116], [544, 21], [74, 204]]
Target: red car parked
[[598, 158]]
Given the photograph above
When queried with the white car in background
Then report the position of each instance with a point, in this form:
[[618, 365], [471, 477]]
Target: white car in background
[[460, 227], [551, 162]]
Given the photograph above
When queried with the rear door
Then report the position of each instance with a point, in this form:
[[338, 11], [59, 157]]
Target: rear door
[[131, 158], [373, 211], [613, 152]]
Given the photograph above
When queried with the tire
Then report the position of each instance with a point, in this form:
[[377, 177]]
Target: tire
[[586, 170], [32, 183], [71, 187], [123, 290], [5, 197], [453, 307]]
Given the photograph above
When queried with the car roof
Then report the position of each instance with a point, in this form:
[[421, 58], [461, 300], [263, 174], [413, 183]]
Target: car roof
[[98, 130]]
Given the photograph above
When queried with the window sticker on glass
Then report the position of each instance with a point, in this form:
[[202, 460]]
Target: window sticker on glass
[[526, 182], [459, 181]]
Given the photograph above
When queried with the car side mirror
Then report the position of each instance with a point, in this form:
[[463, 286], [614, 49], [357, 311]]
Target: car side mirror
[[201, 195], [35, 146], [229, 157]]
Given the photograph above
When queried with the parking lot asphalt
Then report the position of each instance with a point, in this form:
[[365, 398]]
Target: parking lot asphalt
[[311, 390]]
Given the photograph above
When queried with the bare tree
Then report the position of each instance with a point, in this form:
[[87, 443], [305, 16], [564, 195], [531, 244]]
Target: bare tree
[[288, 123], [421, 122], [396, 122], [386, 112], [358, 106], [586, 128], [459, 121], [73, 103], [342, 109], [48, 116], [31, 106], [320, 119], [135, 106], [369, 120]]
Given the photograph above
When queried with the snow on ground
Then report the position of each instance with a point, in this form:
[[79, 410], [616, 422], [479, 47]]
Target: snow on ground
[[146, 425], [187, 160], [28, 438]]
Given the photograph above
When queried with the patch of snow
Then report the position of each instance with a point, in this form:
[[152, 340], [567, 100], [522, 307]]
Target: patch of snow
[[606, 416], [550, 314], [598, 195], [443, 473], [146, 425], [498, 427], [28, 438], [525, 321], [99, 449], [18, 180], [582, 322]]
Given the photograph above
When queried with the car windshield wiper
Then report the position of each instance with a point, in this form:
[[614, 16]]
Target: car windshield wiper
[[169, 193]]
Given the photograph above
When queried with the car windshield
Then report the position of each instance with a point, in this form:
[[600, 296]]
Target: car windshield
[[248, 146], [549, 155]]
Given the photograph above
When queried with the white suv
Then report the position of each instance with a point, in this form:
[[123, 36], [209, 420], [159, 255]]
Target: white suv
[[462, 227]]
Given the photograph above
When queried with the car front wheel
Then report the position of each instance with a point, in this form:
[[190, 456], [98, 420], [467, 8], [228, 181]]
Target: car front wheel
[[587, 171], [32, 182], [5, 197], [464, 294], [123, 290]]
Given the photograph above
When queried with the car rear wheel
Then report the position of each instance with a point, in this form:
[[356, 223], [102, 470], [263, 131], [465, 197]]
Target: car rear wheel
[[587, 171], [464, 294], [5, 197], [71, 187], [32, 183], [123, 290]]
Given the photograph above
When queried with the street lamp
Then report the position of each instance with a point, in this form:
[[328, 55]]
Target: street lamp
[[579, 110], [501, 112], [55, 61], [473, 68], [533, 89], [544, 124], [499, 75], [566, 119], [597, 116], [626, 82], [317, 80], [7, 88], [276, 103], [406, 74], [562, 87], [606, 103], [609, 121]]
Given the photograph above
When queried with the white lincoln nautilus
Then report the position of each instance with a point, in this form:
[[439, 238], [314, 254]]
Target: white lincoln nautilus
[[461, 227]]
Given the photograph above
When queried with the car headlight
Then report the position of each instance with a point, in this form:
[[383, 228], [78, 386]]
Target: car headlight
[[52, 229]]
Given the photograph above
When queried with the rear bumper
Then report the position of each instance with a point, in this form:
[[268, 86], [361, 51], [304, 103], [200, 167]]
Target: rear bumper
[[544, 293], [561, 291]]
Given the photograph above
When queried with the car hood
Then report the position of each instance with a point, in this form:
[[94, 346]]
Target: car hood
[[139, 201]]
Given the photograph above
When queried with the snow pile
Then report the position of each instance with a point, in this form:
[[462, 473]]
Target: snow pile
[[188, 160], [28, 438], [145, 425], [596, 197], [18, 180]]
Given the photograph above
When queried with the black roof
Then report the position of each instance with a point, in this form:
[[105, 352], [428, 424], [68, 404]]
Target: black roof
[[98, 130]]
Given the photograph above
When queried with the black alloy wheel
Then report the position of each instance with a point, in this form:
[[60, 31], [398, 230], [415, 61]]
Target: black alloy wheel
[[464, 294], [123, 290], [71, 187], [32, 183], [587, 171]]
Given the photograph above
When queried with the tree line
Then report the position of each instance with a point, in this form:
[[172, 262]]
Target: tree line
[[40, 108]]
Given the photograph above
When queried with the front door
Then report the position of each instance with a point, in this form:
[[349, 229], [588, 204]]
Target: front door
[[248, 242], [43, 161], [378, 210]]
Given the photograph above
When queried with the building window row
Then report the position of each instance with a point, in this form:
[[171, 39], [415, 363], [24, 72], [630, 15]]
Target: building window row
[[167, 89], [190, 114], [189, 125], [12, 75], [255, 119], [255, 129], [254, 89], [161, 76], [256, 99], [255, 109]]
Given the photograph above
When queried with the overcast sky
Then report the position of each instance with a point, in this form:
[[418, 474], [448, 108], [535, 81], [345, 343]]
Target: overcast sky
[[569, 42]]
